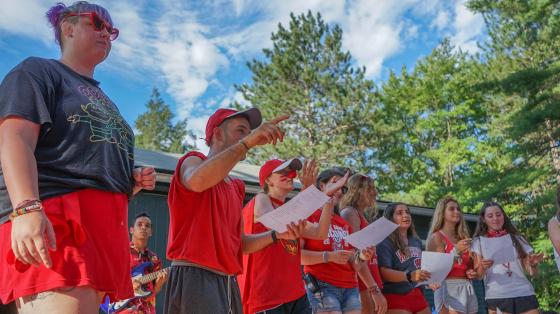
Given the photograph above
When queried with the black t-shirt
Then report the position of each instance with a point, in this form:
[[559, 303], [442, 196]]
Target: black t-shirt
[[388, 256], [83, 142]]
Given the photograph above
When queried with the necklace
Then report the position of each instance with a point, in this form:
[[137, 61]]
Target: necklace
[[508, 266]]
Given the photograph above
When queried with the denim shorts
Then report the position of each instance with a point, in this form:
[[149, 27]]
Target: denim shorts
[[330, 298]]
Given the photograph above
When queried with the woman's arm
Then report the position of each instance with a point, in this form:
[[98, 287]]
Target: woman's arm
[[435, 243], [309, 257], [392, 275], [263, 205], [32, 233], [320, 231], [554, 233]]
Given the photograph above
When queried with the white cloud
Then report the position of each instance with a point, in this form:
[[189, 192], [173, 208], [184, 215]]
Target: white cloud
[[441, 21], [468, 28], [27, 18]]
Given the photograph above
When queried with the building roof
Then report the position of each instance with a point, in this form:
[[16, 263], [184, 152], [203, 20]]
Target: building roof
[[165, 164]]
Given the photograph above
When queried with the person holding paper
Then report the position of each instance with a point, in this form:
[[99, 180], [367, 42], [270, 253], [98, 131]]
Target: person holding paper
[[279, 265], [206, 239], [554, 229], [400, 259], [449, 234], [360, 197], [506, 286], [330, 265]]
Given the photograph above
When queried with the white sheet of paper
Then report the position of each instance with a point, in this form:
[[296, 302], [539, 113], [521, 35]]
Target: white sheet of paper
[[499, 249], [301, 206], [371, 235], [438, 264]]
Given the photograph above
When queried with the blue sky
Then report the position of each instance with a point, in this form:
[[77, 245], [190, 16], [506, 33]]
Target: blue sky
[[195, 51]]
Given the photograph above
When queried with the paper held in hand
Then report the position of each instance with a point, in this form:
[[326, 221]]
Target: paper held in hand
[[371, 235], [438, 264], [300, 207], [500, 249]]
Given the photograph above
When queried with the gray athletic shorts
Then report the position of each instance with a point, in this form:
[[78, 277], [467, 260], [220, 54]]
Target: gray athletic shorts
[[457, 295], [193, 290]]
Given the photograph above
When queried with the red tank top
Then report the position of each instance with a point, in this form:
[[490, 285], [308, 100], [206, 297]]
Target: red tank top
[[372, 263], [272, 276], [339, 275], [458, 269], [205, 227]]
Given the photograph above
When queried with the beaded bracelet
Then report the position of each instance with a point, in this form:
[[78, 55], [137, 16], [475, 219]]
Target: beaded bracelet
[[26, 207]]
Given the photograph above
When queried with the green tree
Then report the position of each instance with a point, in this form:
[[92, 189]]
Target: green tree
[[331, 103], [521, 83], [156, 130], [437, 122]]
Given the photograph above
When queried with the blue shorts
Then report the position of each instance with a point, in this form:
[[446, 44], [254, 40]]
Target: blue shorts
[[330, 298]]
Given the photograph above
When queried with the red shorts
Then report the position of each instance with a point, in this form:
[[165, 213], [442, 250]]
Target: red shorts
[[413, 301], [92, 248]]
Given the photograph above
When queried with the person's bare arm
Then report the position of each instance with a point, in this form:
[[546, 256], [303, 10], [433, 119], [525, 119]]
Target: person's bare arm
[[198, 175], [320, 231], [352, 217], [554, 233], [392, 275], [435, 243], [18, 138], [263, 205], [255, 242]]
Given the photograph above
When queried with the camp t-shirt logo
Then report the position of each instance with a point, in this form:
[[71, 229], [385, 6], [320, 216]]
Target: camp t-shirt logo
[[415, 253], [337, 235], [105, 122]]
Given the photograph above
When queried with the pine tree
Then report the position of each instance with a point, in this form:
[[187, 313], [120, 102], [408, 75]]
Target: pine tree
[[307, 75], [156, 130]]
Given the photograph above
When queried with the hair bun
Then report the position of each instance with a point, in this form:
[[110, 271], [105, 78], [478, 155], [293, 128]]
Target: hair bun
[[54, 13]]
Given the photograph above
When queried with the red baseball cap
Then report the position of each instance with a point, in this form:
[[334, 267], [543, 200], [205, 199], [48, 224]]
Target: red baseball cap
[[218, 117], [277, 165]]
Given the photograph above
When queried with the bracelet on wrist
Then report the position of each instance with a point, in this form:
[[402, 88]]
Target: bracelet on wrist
[[244, 145], [26, 207], [325, 256], [374, 290], [408, 276], [273, 236]]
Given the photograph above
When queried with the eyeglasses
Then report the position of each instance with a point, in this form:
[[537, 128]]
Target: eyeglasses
[[99, 24]]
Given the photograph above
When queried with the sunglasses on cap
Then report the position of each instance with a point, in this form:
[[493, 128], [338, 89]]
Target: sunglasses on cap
[[287, 173], [99, 24]]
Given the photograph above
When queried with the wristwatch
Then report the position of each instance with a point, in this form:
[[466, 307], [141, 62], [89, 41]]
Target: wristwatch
[[273, 236], [409, 276]]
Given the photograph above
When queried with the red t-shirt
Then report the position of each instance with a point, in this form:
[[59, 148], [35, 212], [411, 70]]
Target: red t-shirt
[[372, 263], [272, 276], [339, 275], [205, 227]]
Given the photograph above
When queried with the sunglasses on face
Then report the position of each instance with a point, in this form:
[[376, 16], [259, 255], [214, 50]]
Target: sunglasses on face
[[99, 24]]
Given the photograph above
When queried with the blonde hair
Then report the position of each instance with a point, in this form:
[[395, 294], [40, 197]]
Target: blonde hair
[[358, 184], [438, 220]]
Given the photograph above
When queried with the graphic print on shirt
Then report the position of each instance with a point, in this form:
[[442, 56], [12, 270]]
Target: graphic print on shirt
[[105, 121], [338, 235], [290, 246], [415, 253]]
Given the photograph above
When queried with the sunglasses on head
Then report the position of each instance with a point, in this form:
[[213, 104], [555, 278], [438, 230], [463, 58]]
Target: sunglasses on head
[[287, 173], [99, 24]]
